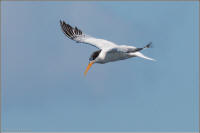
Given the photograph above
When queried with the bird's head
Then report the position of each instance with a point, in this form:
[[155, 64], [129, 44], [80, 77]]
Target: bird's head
[[92, 60]]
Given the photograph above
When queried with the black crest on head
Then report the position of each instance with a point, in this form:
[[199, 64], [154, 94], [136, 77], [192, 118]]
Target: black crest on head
[[94, 55]]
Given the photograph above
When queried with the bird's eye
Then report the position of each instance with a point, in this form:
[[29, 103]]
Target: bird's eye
[[90, 59]]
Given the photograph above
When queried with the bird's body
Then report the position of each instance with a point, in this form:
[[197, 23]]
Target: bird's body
[[112, 54], [108, 51]]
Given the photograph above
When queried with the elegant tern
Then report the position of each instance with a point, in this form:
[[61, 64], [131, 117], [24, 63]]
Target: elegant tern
[[108, 51]]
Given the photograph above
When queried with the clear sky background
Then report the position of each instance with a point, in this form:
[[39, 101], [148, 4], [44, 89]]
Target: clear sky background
[[43, 86]]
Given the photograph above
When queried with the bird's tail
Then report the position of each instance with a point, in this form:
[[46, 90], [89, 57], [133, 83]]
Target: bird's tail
[[138, 54]]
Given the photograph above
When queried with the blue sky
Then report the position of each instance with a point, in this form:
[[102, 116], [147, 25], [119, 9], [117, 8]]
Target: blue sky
[[43, 86]]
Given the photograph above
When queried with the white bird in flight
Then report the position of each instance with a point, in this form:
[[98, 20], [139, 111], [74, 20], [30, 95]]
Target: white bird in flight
[[108, 51]]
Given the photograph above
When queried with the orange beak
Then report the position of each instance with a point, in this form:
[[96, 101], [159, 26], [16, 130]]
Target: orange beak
[[88, 67]]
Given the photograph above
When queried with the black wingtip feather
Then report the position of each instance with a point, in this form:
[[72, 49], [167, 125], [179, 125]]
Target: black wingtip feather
[[149, 45], [69, 31]]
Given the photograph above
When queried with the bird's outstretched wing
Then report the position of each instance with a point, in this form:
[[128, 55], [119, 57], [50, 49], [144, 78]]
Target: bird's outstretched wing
[[77, 35]]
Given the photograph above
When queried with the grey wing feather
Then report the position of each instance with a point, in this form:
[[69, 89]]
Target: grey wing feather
[[114, 50], [77, 35]]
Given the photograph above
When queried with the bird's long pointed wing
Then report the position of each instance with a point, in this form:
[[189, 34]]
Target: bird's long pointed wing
[[77, 35]]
